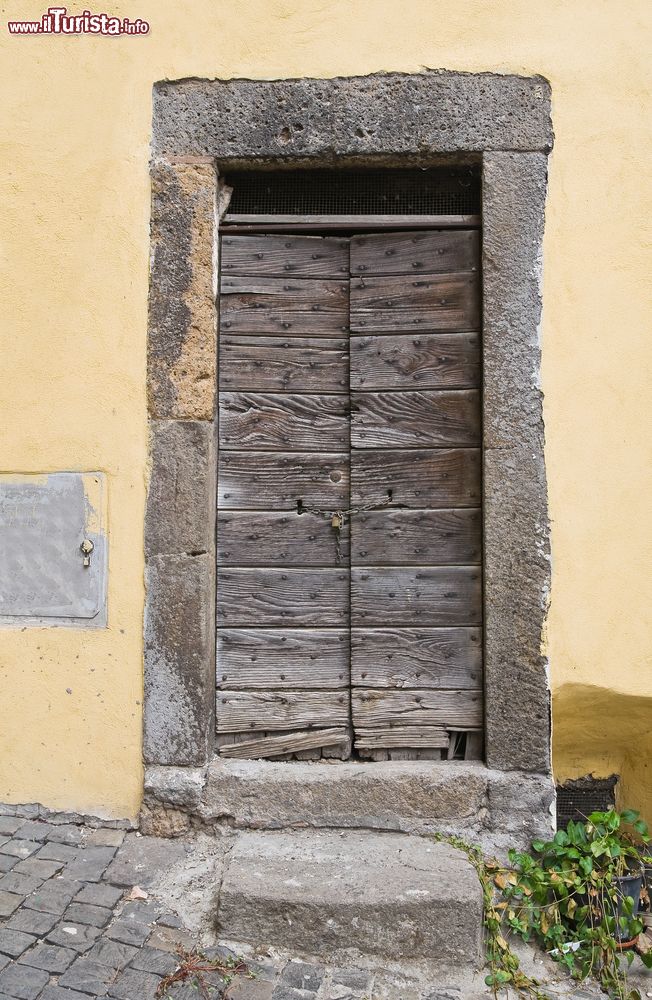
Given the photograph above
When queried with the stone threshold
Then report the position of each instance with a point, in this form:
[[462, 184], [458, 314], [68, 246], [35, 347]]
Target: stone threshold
[[495, 809]]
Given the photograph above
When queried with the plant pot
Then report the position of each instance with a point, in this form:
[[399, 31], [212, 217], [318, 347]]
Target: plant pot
[[627, 886]]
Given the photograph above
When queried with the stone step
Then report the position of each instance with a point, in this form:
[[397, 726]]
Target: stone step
[[325, 892]]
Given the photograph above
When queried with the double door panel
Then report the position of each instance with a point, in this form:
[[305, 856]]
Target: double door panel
[[349, 381]]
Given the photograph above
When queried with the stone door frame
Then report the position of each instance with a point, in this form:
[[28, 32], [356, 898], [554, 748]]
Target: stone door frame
[[204, 128]]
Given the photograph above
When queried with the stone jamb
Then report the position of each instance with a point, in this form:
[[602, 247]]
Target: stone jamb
[[203, 127]]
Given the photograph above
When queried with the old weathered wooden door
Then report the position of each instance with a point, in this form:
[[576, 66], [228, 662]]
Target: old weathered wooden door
[[349, 535]]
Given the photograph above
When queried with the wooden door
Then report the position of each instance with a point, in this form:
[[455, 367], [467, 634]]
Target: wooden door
[[283, 660], [349, 362], [416, 589]]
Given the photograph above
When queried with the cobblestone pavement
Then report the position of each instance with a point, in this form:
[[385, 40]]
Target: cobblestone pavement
[[72, 926]]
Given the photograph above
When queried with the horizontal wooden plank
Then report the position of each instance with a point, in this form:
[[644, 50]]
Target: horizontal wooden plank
[[416, 658], [292, 256], [274, 659], [373, 708], [273, 746], [431, 302], [401, 736], [426, 478], [276, 480], [432, 251], [423, 537], [300, 597], [283, 421], [424, 361], [300, 364], [264, 710], [415, 419], [247, 222], [278, 538], [416, 596], [292, 306]]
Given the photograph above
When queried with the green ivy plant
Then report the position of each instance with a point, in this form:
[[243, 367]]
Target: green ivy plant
[[566, 895]]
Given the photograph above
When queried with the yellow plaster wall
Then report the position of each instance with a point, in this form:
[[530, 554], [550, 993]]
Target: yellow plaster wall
[[76, 116]]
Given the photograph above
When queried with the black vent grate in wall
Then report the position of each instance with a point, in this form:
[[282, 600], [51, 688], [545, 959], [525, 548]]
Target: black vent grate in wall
[[365, 192], [577, 799]]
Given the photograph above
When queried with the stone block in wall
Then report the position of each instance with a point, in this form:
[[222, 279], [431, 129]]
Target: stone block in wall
[[182, 309]]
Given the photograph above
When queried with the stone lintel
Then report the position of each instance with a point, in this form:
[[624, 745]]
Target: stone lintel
[[365, 119]]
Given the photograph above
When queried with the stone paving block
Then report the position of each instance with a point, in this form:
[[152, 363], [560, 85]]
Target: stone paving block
[[80, 937], [87, 977], [36, 829], [57, 993], [53, 896], [4, 960], [41, 869], [84, 913], [302, 976], [113, 954], [32, 922], [250, 989], [20, 848], [49, 957], [143, 912], [22, 981], [285, 992], [22, 885], [134, 985], [152, 960], [129, 932], [9, 901], [66, 833], [4, 840], [169, 920], [9, 825], [171, 939], [90, 864], [14, 943], [105, 838], [141, 860], [99, 894], [353, 979], [7, 862], [57, 852]]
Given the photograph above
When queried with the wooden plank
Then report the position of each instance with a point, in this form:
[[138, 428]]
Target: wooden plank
[[265, 710], [291, 306], [373, 708], [283, 421], [411, 596], [417, 658], [272, 746], [433, 251], [307, 364], [293, 256], [427, 478], [300, 597], [278, 538], [430, 302], [424, 537], [424, 361], [268, 480], [277, 659], [417, 419], [401, 736], [243, 222]]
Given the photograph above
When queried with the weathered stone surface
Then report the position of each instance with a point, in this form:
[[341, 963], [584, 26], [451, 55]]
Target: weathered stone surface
[[176, 786], [517, 552], [181, 494], [141, 859], [360, 118], [328, 891], [182, 312], [179, 659], [411, 796]]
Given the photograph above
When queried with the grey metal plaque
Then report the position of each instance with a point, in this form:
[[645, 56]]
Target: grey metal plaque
[[53, 549]]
